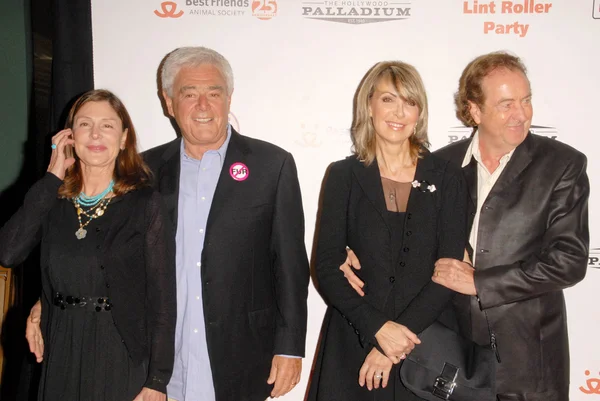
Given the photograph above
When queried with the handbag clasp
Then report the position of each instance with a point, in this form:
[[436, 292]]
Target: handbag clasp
[[446, 382]]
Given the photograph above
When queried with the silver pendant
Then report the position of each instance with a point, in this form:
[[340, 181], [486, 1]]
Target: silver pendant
[[81, 233]]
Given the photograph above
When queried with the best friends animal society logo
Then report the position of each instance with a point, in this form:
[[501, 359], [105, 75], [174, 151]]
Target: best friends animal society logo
[[261, 9], [168, 10], [592, 384]]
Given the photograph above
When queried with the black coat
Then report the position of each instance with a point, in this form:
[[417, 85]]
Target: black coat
[[254, 265], [353, 213], [137, 258], [532, 243]]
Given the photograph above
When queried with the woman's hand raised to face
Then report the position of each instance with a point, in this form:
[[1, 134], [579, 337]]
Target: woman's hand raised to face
[[59, 163]]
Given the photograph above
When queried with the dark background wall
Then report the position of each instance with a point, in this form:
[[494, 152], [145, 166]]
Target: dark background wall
[[17, 172], [15, 85], [45, 63], [26, 33]]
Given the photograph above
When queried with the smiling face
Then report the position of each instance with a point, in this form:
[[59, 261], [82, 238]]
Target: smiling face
[[200, 105], [505, 118], [98, 134], [394, 117]]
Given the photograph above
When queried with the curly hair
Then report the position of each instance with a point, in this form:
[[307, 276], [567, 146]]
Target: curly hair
[[469, 85]]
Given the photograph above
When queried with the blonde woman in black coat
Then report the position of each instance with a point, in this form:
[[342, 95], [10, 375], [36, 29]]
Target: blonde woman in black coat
[[400, 209]]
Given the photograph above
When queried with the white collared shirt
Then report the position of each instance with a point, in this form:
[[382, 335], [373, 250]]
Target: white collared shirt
[[485, 183]]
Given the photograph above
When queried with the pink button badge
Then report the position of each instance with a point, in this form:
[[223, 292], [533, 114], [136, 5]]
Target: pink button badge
[[239, 171]]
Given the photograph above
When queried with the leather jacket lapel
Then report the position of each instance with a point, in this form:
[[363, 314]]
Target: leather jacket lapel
[[517, 163]]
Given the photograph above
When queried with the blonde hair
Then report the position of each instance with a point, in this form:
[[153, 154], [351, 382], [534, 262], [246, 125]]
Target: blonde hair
[[410, 86]]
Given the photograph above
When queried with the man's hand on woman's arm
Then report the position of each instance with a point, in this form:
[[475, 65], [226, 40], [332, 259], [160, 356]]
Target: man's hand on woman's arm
[[350, 263]]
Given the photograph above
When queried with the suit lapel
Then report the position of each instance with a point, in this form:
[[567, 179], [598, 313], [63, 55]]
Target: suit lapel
[[237, 151], [470, 173], [168, 179], [517, 163], [369, 180]]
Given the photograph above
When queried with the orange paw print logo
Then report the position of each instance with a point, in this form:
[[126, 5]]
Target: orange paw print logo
[[309, 137], [593, 385], [264, 9], [168, 10]]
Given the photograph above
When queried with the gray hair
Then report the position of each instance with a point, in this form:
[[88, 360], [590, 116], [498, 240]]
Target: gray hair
[[193, 57]]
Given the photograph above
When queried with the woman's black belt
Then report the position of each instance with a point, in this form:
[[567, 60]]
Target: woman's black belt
[[98, 304]]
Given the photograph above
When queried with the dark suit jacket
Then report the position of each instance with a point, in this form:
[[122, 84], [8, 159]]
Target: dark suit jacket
[[254, 266], [532, 242], [396, 267]]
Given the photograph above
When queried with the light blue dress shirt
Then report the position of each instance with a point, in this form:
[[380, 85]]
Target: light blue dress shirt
[[192, 376]]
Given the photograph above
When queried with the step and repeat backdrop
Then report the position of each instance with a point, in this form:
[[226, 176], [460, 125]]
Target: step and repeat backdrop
[[297, 65]]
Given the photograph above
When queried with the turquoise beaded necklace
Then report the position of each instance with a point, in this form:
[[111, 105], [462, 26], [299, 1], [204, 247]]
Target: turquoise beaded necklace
[[96, 206], [90, 201]]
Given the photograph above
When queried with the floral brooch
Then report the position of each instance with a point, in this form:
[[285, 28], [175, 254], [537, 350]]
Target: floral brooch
[[423, 186]]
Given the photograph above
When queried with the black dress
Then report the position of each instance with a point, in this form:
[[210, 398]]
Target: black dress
[[85, 356], [396, 195]]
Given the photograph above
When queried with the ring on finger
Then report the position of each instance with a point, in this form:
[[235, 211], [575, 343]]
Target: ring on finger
[[379, 375], [53, 146]]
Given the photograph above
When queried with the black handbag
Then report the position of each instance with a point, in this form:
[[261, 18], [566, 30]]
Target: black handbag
[[448, 366]]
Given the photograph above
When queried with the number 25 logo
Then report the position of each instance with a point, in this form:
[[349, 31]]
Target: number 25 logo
[[264, 9]]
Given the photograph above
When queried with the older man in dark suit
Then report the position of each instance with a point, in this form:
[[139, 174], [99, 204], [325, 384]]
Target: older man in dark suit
[[242, 268], [529, 235]]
